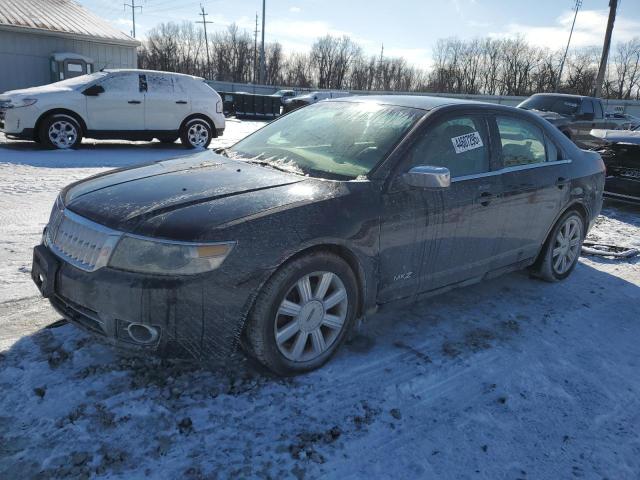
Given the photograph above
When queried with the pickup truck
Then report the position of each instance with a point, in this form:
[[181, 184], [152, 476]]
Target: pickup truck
[[574, 115]]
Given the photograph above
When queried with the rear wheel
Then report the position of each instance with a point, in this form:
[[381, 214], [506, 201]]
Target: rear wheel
[[562, 249], [196, 133], [303, 314], [60, 131]]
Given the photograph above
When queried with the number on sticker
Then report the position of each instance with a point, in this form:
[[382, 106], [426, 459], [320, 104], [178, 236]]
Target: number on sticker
[[469, 141]]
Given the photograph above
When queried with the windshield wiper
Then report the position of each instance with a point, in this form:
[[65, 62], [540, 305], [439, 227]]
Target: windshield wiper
[[273, 165]]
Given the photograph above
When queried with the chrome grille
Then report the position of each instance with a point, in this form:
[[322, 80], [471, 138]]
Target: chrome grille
[[80, 242]]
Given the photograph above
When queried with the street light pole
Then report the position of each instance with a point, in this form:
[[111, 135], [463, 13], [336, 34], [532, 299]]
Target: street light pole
[[613, 7], [262, 59]]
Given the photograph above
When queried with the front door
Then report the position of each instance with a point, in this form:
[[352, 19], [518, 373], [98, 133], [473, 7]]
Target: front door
[[434, 238], [535, 182], [119, 107]]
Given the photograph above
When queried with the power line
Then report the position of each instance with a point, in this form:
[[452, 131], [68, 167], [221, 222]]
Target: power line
[[564, 57], [204, 22], [133, 7]]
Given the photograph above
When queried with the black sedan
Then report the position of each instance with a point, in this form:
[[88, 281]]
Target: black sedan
[[282, 242]]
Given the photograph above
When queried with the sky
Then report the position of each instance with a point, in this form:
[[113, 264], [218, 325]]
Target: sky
[[408, 28]]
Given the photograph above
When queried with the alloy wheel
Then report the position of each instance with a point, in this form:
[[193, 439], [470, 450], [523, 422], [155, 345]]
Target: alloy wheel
[[567, 246], [198, 134], [63, 134], [311, 316]]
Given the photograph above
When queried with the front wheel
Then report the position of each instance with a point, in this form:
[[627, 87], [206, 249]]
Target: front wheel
[[196, 133], [562, 249], [60, 131], [303, 314]]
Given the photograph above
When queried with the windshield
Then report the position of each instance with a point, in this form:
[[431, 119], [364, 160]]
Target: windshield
[[338, 140], [544, 103]]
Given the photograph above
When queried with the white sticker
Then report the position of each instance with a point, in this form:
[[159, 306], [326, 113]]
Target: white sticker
[[469, 141]]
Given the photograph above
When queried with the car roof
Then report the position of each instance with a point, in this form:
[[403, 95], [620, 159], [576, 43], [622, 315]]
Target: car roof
[[141, 71], [423, 102], [567, 95]]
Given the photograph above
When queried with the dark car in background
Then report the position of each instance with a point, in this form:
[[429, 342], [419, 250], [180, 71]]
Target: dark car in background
[[310, 98], [621, 154], [284, 95], [574, 115], [283, 241]]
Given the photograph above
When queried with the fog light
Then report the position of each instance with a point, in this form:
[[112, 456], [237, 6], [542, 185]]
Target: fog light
[[142, 334]]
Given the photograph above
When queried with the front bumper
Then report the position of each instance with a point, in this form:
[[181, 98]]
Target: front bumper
[[622, 189], [202, 314]]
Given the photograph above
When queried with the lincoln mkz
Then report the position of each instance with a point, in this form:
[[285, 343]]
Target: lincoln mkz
[[281, 243]]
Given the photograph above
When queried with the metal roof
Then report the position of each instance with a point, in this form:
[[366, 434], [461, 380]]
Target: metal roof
[[59, 17]]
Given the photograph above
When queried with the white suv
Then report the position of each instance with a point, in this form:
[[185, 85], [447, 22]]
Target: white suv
[[122, 104]]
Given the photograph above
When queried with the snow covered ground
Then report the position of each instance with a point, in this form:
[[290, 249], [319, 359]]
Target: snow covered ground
[[511, 379]]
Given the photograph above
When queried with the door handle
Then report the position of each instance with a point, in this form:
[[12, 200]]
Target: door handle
[[181, 102], [560, 182], [134, 102], [485, 198]]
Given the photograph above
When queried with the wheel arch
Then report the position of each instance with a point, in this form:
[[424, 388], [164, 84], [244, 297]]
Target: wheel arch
[[203, 116], [337, 249], [60, 111], [575, 206]]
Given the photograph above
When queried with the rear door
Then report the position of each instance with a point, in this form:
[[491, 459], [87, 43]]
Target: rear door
[[119, 107], [535, 182], [430, 239], [166, 102]]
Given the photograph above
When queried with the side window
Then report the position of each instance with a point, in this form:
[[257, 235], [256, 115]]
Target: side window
[[125, 83], [587, 106], [459, 144], [522, 142], [161, 84], [553, 152], [599, 112]]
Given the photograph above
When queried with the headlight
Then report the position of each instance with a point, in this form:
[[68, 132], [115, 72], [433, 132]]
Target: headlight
[[168, 258], [23, 102]]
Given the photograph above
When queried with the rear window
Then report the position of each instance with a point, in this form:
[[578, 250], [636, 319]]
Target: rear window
[[522, 142]]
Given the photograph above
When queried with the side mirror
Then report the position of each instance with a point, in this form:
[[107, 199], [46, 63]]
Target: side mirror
[[432, 178], [93, 91]]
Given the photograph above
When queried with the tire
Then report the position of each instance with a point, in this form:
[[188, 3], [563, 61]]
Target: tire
[[552, 268], [310, 333], [167, 139], [60, 131], [196, 133]]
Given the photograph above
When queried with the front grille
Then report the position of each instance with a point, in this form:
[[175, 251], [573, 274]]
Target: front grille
[[80, 242]]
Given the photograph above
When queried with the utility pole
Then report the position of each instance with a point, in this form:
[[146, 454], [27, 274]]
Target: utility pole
[[613, 7], [255, 51], [204, 22], [262, 59], [133, 7], [564, 57]]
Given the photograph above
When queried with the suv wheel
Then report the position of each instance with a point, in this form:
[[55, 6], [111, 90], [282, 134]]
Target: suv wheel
[[60, 131], [303, 314], [196, 133], [562, 249]]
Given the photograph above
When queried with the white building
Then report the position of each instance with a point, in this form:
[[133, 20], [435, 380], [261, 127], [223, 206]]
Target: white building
[[43, 40]]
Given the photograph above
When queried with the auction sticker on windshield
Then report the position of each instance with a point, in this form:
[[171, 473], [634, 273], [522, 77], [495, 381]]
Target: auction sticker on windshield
[[466, 142]]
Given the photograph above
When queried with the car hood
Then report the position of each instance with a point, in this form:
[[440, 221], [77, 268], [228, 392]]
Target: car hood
[[228, 189], [552, 117], [33, 91]]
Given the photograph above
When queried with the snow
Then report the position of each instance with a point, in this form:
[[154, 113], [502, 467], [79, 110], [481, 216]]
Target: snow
[[514, 378]]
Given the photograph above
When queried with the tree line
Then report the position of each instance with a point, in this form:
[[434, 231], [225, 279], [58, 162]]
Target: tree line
[[489, 66]]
